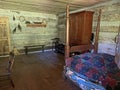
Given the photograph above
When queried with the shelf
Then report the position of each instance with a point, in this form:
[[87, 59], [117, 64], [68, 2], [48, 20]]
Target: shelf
[[36, 25]]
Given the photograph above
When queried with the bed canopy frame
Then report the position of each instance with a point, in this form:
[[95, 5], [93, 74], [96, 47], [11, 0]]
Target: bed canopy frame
[[69, 49]]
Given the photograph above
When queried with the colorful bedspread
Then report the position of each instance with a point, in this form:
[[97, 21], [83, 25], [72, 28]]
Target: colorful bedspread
[[95, 67]]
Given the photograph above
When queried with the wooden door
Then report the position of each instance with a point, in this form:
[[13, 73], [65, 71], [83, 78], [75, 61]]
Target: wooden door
[[87, 27], [75, 30], [80, 21], [80, 30], [72, 29], [4, 36]]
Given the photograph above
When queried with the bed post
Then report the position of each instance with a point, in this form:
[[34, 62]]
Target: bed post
[[97, 33], [117, 49], [67, 47]]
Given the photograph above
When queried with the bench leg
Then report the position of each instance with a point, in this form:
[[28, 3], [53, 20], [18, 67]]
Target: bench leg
[[42, 48], [26, 50]]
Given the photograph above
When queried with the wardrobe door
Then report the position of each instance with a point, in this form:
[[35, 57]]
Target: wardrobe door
[[87, 27], [72, 28], [80, 28], [80, 24]]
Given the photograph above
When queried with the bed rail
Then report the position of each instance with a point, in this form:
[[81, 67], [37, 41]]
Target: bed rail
[[81, 48]]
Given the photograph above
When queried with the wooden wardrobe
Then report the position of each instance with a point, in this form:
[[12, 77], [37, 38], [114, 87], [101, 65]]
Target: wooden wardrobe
[[80, 29]]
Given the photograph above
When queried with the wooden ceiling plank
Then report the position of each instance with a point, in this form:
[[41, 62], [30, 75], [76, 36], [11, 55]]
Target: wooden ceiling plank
[[48, 6], [42, 8], [37, 5], [33, 9]]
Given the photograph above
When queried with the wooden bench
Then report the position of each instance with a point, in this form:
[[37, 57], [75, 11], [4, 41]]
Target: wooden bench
[[33, 46]]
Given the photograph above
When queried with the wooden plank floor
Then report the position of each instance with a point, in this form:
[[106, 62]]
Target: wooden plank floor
[[41, 71]]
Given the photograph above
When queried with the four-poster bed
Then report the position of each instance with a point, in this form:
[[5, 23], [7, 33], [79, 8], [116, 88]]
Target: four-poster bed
[[90, 71]]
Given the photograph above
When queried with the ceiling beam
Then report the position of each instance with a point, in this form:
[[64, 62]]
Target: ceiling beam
[[66, 3]]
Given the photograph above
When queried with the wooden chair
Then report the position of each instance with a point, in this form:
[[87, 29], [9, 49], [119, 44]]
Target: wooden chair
[[6, 72]]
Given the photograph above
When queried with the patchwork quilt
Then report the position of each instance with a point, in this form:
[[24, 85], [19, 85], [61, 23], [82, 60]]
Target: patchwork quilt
[[97, 68]]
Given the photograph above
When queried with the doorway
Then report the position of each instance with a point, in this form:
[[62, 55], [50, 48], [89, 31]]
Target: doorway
[[4, 36]]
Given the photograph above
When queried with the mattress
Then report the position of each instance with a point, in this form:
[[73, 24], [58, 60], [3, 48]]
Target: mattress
[[82, 81]]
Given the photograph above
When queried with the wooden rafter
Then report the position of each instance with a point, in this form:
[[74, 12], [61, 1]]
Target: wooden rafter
[[71, 4]]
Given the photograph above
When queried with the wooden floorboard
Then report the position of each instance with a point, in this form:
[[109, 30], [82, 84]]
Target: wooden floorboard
[[40, 71]]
